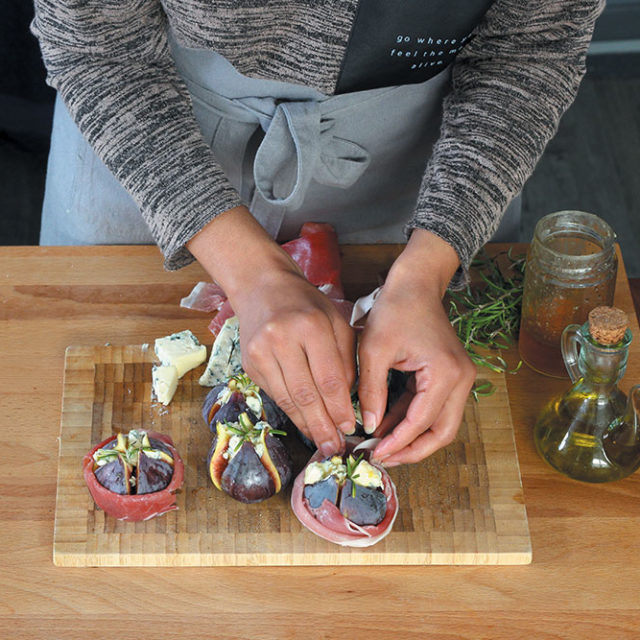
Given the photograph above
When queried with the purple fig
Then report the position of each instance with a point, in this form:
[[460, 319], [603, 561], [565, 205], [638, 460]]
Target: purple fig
[[245, 478], [318, 492], [114, 476], [280, 461], [210, 400], [362, 505], [274, 415], [153, 474], [231, 410], [158, 445]]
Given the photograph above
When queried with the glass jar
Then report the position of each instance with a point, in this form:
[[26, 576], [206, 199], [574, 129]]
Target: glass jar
[[571, 268]]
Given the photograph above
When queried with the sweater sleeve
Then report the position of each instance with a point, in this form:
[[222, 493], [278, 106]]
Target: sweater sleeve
[[510, 86], [110, 62]]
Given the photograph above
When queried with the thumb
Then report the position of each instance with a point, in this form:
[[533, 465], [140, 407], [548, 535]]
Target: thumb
[[372, 383]]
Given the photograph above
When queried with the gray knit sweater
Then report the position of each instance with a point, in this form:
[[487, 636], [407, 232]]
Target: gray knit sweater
[[109, 60]]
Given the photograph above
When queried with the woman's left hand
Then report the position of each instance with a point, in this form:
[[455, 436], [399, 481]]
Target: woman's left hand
[[408, 330]]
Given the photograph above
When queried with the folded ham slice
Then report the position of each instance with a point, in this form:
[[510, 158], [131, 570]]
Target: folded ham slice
[[316, 252], [327, 521]]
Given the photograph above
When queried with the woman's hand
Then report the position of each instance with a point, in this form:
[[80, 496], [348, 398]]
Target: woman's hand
[[408, 330], [295, 344]]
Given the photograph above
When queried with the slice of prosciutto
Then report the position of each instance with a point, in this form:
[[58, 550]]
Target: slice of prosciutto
[[327, 522], [205, 296], [316, 252]]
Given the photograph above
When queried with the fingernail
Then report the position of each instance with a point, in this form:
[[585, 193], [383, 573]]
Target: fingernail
[[327, 448], [369, 422], [388, 465], [348, 428], [379, 458]]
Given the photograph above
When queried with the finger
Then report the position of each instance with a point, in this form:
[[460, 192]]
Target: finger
[[395, 414], [304, 401], [346, 341], [398, 409], [329, 377], [442, 433], [423, 411], [269, 377], [372, 385]]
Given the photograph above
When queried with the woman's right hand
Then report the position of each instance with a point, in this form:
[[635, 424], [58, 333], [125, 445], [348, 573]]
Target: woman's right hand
[[295, 344]]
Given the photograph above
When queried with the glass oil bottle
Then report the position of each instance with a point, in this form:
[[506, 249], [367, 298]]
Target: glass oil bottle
[[592, 432]]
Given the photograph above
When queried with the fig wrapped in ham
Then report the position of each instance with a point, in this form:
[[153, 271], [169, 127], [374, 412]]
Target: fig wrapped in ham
[[135, 476], [347, 499], [247, 461]]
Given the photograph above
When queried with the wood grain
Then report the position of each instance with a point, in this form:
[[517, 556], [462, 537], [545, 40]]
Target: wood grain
[[463, 505], [582, 582]]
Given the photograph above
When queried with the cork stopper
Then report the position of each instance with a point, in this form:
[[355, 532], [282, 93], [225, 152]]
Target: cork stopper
[[607, 325]]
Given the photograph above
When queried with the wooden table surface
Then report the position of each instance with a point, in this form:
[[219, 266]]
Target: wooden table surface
[[583, 582]]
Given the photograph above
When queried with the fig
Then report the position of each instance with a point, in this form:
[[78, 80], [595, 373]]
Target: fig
[[362, 505], [154, 474], [217, 460], [273, 414], [225, 402], [211, 400], [115, 476], [318, 492], [247, 461], [352, 484], [114, 464], [245, 478], [277, 460]]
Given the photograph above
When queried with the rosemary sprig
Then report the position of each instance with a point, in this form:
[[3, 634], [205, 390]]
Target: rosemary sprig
[[352, 465], [486, 315], [247, 431]]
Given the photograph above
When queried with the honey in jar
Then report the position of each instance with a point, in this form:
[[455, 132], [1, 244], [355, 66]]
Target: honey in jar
[[571, 268]]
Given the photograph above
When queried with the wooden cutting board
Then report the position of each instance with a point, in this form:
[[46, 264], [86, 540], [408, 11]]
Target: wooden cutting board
[[463, 505]]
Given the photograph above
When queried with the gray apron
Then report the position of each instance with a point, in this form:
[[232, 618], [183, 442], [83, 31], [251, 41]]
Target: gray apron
[[354, 160]]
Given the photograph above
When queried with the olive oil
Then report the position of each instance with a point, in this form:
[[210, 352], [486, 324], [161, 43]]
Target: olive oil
[[570, 434], [591, 432]]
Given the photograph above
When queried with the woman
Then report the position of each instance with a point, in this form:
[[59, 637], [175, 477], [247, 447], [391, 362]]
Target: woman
[[229, 124]]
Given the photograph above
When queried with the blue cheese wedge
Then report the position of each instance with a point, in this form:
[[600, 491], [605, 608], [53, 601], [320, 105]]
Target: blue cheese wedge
[[181, 350], [226, 360], [165, 382]]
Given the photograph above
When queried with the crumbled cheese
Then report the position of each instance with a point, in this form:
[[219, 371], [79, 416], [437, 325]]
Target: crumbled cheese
[[317, 471], [366, 475]]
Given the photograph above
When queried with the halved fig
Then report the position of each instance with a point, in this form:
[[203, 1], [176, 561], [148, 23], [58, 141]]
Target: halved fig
[[246, 460], [318, 492], [115, 476], [154, 474], [362, 505]]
